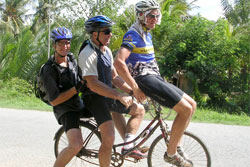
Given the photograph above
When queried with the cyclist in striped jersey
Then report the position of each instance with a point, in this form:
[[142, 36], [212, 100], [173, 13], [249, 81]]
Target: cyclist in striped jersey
[[135, 62]]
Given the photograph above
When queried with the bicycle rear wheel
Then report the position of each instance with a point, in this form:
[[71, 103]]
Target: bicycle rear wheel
[[88, 155], [192, 145]]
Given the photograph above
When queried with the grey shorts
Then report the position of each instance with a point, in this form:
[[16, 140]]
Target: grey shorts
[[161, 91]]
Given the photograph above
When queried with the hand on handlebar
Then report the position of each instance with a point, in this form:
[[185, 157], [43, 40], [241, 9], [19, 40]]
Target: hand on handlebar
[[126, 100]]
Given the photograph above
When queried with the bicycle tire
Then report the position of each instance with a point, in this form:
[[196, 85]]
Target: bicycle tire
[[83, 158], [151, 106], [164, 115], [192, 145]]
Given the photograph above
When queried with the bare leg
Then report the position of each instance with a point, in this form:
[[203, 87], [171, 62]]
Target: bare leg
[[137, 113], [132, 126], [75, 144], [184, 113], [192, 103], [120, 123], [108, 137]]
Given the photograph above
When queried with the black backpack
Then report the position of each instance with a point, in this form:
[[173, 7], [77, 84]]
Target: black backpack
[[38, 83]]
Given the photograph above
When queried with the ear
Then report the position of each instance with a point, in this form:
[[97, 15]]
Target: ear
[[94, 34], [54, 45]]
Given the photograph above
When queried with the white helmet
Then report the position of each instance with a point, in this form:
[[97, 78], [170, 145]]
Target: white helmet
[[144, 7]]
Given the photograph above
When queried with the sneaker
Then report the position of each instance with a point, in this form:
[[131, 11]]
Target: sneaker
[[181, 152], [134, 154], [177, 160]]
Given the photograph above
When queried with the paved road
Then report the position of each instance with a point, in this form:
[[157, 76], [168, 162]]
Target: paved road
[[26, 140]]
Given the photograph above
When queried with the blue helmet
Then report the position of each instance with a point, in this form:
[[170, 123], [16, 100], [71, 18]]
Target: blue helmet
[[96, 23], [60, 33]]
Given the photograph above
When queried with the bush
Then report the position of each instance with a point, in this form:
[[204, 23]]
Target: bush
[[213, 59], [16, 86]]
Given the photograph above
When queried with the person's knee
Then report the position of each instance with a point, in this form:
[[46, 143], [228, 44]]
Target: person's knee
[[137, 110], [189, 110], [108, 141], [75, 139], [184, 109], [191, 102], [76, 145], [194, 105], [140, 110], [107, 134]]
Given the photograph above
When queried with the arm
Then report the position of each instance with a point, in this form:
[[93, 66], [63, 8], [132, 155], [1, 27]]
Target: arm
[[119, 83], [123, 71], [102, 89], [51, 87], [64, 96]]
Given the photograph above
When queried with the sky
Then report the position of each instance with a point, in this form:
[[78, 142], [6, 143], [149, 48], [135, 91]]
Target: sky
[[210, 9]]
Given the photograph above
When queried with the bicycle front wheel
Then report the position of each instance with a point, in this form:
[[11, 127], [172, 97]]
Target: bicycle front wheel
[[192, 145], [88, 155]]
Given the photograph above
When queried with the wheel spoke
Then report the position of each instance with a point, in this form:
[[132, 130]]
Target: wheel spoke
[[88, 156], [192, 145]]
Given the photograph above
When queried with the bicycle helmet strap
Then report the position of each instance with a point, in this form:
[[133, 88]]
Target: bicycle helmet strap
[[97, 38]]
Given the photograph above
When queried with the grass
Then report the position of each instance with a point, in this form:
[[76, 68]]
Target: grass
[[14, 99], [212, 116], [19, 101]]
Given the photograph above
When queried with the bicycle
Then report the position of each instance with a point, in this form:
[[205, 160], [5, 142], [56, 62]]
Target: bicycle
[[192, 145]]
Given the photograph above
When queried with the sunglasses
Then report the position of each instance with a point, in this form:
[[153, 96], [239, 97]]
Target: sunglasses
[[107, 31], [63, 43], [152, 16]]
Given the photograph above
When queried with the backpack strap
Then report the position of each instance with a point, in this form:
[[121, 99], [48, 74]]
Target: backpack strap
[[51, 62], [84, 44], [73, 65]]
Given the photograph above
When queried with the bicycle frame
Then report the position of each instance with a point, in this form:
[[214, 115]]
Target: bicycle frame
[[193, 146], [159, 123]]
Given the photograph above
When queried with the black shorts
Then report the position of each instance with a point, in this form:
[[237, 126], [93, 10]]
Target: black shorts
[[161, 91], [70, 120], [101, 107]]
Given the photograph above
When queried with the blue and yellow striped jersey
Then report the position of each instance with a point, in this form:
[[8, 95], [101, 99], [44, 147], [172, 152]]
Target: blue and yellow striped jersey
[[142, 58]]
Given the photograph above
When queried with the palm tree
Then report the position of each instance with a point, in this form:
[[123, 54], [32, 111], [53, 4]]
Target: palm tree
[[237, 14], [44, 10], [177, 9], [12, 13]]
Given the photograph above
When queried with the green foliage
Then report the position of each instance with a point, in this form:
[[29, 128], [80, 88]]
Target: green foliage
[[208, 54], [16, 87], [237, 14], [76, 9], [17, 93], [13, 14], [214, 56], [216, 116], [16, 55]]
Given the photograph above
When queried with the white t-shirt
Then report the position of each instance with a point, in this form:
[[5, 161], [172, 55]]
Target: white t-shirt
[[88, 58]]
